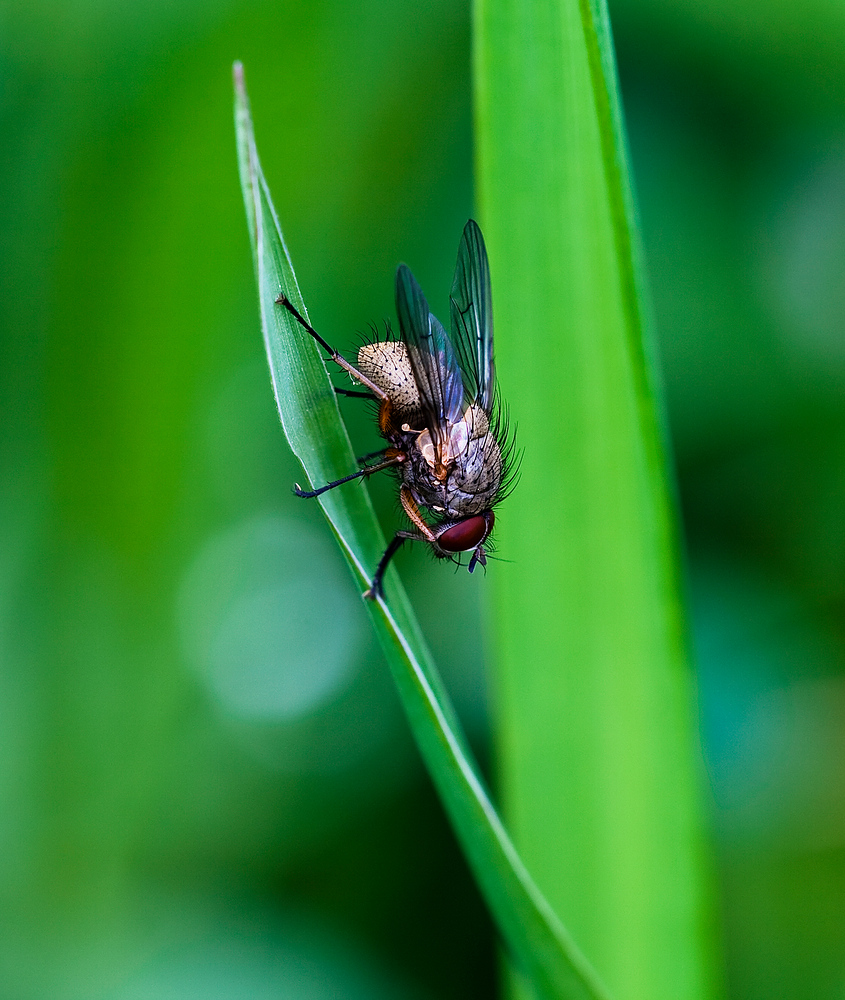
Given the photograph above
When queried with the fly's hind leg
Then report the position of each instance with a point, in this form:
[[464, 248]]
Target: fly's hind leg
[[336, 356], [354, 393]]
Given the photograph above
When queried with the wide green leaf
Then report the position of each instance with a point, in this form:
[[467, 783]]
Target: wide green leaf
[[311, 420], [596, 744]]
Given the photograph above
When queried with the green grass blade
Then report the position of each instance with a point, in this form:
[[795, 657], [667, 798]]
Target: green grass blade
[[594, 699], [312, 423]]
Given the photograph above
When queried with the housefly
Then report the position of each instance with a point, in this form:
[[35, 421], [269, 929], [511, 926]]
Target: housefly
[[438, 409]]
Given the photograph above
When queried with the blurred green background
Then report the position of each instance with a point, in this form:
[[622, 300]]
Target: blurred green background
[[206, 785]]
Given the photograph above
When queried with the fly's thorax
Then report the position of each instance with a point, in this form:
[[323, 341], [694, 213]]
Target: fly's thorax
[[454, 439], [471, 484], [387, 364], [477, 421], [476, 478], [464, 461], [451, 442]]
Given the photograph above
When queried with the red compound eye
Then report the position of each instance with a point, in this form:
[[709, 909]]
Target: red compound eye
[[465, 535]]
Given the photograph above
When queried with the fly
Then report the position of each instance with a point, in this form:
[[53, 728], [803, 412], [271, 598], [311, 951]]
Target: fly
[[439, 412]]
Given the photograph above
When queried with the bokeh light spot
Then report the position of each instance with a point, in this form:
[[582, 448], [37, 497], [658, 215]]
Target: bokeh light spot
[[270, 619]]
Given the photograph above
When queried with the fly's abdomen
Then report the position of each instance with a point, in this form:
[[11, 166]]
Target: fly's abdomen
[[387, 364]]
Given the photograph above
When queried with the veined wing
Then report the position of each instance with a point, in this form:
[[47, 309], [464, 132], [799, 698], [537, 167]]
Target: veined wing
[[433, 360], [472, 317]]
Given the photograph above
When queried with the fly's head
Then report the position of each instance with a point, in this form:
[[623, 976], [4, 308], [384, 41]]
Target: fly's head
[[466, 535]]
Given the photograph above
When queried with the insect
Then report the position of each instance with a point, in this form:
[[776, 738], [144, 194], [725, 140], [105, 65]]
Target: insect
[[438, 409]]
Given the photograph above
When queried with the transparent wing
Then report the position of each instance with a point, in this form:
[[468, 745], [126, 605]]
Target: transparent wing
[[472, 317], [433, 360]]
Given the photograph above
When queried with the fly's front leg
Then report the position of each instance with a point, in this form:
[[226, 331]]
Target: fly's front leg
[[409, 505], [375, 591], [422, 534]]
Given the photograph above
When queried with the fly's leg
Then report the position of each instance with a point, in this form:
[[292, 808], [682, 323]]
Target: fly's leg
[[409, 505], [375, 591], [397, 458], [352, 392], [372, 454], [380, 394], [422, 534], [385, 413]]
